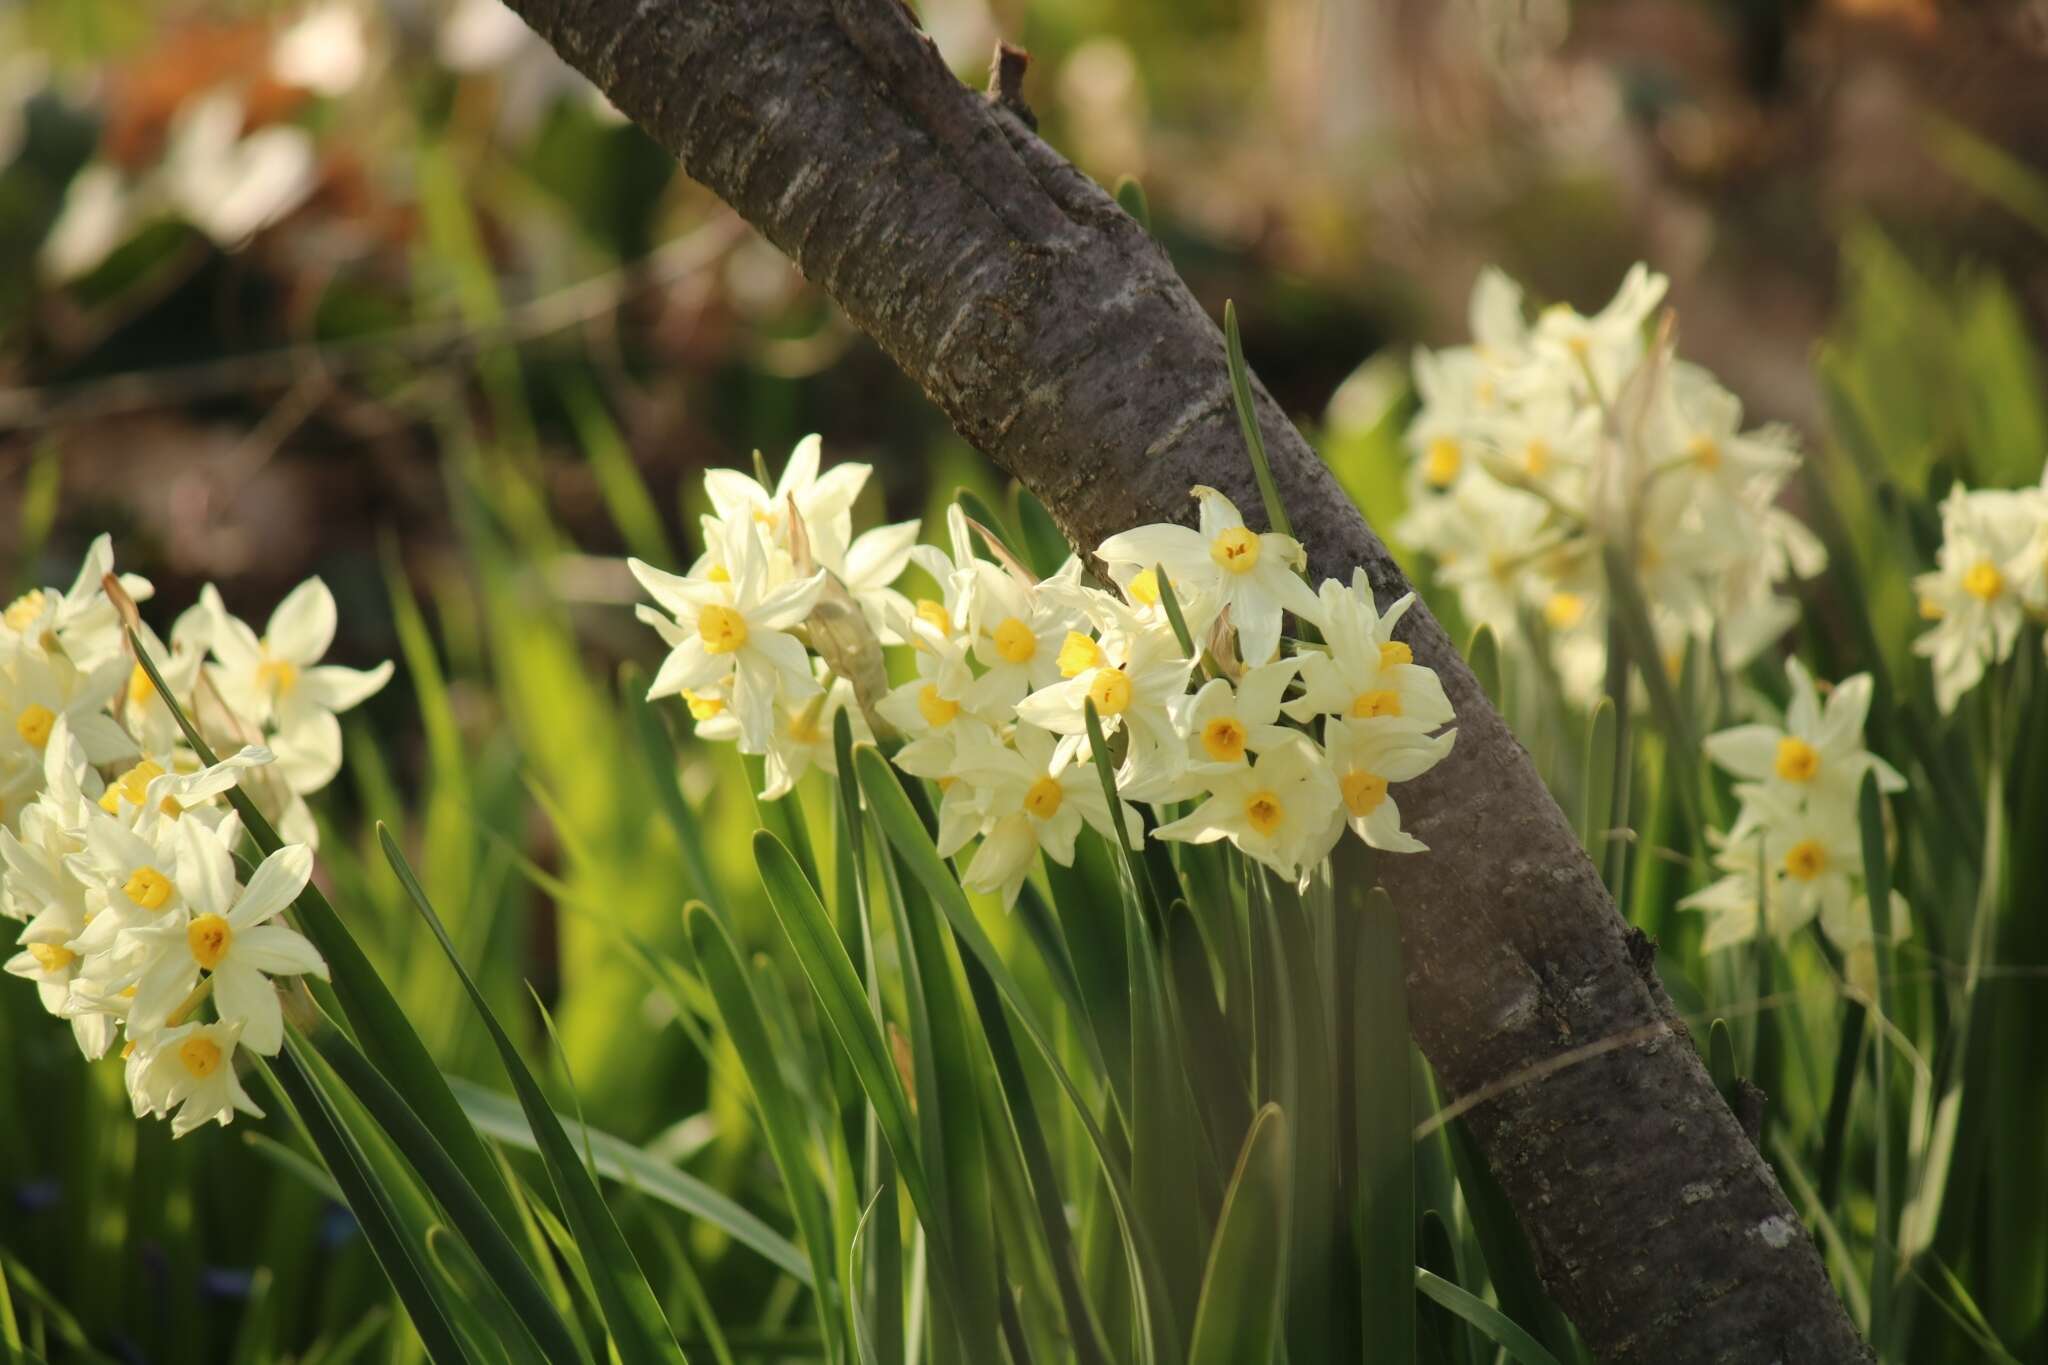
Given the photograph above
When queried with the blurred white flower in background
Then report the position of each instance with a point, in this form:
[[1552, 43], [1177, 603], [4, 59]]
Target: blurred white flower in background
[[231, 183], [1547, 444], [1991, 576], [325, 50]]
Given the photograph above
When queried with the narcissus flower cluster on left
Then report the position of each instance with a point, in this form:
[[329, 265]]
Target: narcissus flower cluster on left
[[1216, 718], [117, 846]]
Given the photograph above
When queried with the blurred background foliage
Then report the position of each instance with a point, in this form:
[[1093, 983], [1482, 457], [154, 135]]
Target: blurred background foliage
[[383, 292]]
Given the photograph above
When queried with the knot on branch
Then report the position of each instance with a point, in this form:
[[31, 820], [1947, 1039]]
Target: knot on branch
[[1006, 82]]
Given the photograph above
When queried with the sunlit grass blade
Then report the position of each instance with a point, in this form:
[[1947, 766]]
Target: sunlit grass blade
[[1158, 1338], [403, 1264], [844, 1004], [947, 1111], [1248, 422], [1482, 652], [639, 1334], [990, 520], [1130, 197], [1244, 1286], [1170, 601], [1597, 805], [859, 1330], [625, 493], [782, 1123], [657, 751], [491, 1244], [1385, 1162], [1877, 883], [366, 1003], [56, 1319], [1496, 1325], [1632, 618], [1044, 547]]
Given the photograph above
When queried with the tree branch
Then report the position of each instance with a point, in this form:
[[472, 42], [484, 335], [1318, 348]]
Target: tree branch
[[1057, 337]]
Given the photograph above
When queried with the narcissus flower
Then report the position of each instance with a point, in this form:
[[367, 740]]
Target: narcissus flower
[[1028, 803], [1222, 726], [737, 630], [1366, 757], [1132, 674], [1276, 810], [1223, 565], [1818, 753], [1988, 569], [227, 935], [1365, 672], [822, 498], [188, 1073], [277, 679]]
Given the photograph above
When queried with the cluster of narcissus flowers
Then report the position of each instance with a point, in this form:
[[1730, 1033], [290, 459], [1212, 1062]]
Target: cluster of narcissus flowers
[[1795, 853], [1991, 576], [1546, 450], [117, 846], [780, 626]]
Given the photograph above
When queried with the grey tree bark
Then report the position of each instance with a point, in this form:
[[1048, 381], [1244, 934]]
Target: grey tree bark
[[1057, 337]]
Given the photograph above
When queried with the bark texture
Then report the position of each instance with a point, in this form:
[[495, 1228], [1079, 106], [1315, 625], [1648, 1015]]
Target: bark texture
[[1057, 337]]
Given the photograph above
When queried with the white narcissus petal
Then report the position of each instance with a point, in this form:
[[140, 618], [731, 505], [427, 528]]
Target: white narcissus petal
[[689, 667], [206, 873], [102, 738], [1749, 751], [308, 748], [275, 884], [801, 470], [682, 596], [302, 627], [278, 951], [733, 494], [244, 995], [879, 557], [341, 689], [787, 605], [1146, 546]]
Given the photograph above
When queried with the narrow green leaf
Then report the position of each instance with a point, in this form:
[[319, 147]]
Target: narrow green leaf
[[1877, 884], [990, 519], [491, 1244], [782, 1123], [1498, 1328], [1130, 197], [1248, 422], [625, 493], [1244, 1286], [1598, 804], [1385, 1120], [1482, 652], [658, 752], [845, 1007], [1632, 617], [379, 1025], [629, 1307], [1721, 1058], [373, 1207], [947, 1113], [1170, 600], [1158, 1337], [1044, 547]]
